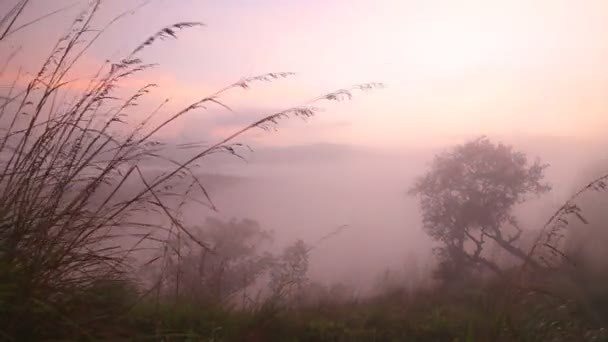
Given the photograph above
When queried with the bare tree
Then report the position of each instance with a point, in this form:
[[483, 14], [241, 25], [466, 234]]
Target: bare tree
[[288, 274]]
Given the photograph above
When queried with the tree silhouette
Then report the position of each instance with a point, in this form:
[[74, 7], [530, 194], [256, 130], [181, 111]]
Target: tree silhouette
[[234, 260], [288, 274], [467, 198]]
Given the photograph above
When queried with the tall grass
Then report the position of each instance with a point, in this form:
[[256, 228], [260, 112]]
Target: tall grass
[[77, 203], [64, 170]]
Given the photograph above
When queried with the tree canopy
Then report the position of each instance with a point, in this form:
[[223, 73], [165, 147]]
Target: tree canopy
[[467, 198]]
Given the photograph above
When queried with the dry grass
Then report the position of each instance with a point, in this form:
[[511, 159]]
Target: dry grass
[[65, 167], [73, 183]]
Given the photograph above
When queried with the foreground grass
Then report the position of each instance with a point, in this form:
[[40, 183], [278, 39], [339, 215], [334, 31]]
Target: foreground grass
[[490, 312]]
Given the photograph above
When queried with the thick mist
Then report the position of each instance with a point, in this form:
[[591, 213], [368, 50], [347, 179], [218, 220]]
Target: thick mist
[[307, 191], [339, 170]]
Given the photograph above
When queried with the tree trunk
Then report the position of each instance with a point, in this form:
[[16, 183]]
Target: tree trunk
[[514, 251]]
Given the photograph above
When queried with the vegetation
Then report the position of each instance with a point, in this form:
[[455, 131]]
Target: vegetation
[[94, 247], [467, 199]]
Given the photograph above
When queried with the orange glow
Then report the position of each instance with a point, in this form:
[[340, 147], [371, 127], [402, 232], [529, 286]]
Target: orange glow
[[453, 68]]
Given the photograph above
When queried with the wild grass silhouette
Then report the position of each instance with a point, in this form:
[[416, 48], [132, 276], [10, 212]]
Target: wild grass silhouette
[[65, 167], [77, 204]]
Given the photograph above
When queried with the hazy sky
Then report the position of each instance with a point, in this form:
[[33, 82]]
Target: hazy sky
[[453, 69], [531, 72]]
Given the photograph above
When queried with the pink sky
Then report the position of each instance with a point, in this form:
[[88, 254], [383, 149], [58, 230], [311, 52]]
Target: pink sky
[[453, 69]]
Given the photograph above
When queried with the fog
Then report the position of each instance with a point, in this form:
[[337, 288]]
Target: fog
[[333, 170], [307, 191]]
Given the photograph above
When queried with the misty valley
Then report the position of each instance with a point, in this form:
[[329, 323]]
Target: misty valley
[[303, 171]]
